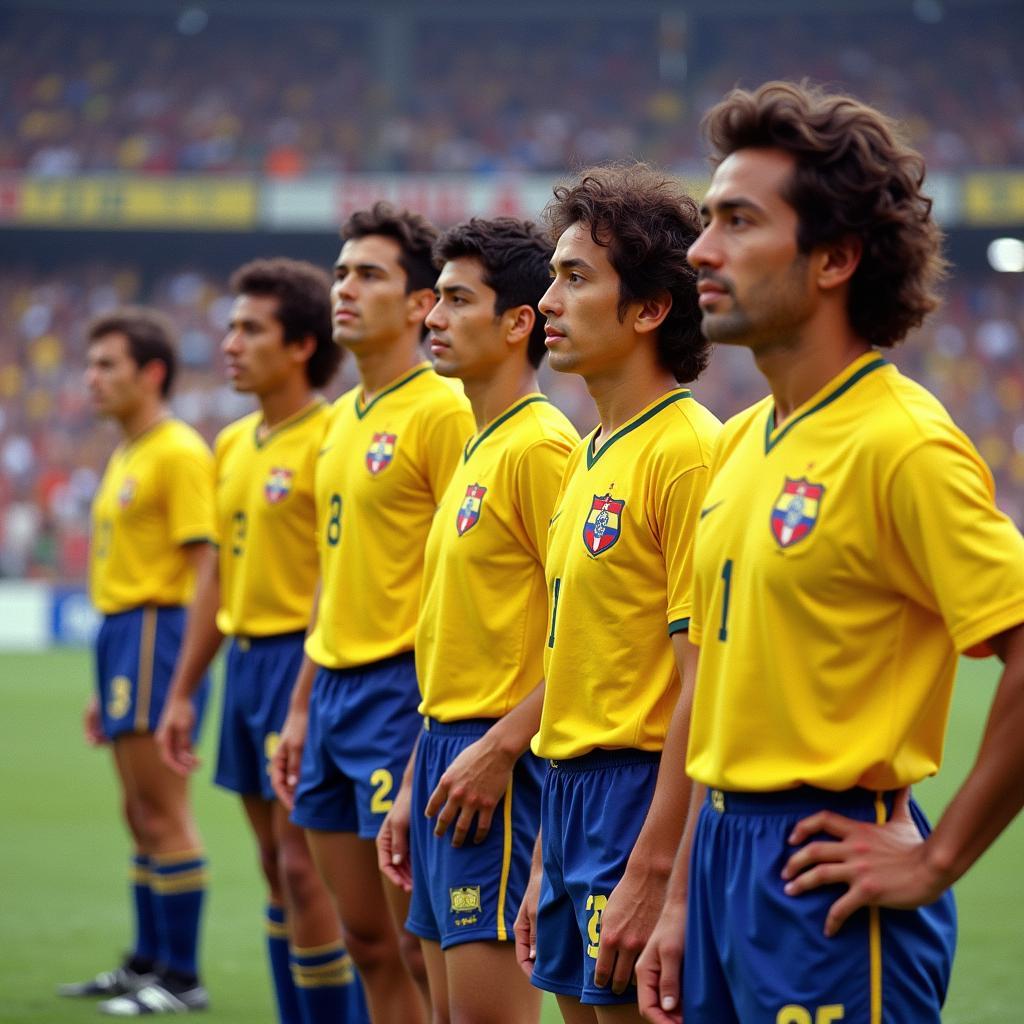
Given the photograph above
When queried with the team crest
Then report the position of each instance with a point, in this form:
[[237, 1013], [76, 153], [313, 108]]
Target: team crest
[[278, 485], [796, 511], [465, 899], [603, 525], [127, 492], [469, 511], [381, 452]]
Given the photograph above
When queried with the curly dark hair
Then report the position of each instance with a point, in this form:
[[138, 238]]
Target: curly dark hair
[[854, 177], [151, 335], [647, 222], [414, 234], [515, 255], [303, 294]]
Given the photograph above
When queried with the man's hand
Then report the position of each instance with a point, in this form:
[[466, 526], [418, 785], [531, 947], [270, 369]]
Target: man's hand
[[525, 927], [393, 840], [471, 786], [174, 736], [92, 723], [659, 967], [882, 865], [287, 759], [627, 923]]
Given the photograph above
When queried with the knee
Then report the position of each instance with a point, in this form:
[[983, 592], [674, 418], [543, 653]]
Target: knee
[[268, 865], [412, 956], [373, 951], [298, 873]]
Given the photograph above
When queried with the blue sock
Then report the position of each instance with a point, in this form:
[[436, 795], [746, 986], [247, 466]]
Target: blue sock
[[328, 986], [288, 1011], [147, 937], [179, 885]]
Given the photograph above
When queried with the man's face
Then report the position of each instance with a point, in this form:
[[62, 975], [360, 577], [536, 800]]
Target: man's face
[[369, 304], [754, 286], [584, 333], [116, 384], [466, 339], [256, 357]]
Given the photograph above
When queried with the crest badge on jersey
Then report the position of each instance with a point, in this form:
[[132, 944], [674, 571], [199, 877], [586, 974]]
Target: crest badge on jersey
[[796, 511], [469, 511], [604, 523], [127, 492], [381, 452], [278, 485]]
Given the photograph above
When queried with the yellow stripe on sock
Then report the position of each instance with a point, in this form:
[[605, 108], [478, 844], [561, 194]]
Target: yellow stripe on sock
[[506, 864], [184, 881], [168, 860], [337, 946], [277, 929]]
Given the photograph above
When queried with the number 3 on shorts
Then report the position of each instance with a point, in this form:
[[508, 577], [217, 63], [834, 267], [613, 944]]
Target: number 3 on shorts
[[380, 802]]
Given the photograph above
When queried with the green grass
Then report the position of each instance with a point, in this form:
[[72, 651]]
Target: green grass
[[63, 912]]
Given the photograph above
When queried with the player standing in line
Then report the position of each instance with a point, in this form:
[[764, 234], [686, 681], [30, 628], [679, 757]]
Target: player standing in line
[[481, 632], [152, 519], [850, 549], [621, 312], [385, 461], [260, 592]]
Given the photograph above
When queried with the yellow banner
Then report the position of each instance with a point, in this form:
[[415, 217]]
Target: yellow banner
[[994, 199], [181, 203]]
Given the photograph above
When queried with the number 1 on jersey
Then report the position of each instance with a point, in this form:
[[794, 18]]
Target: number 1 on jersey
[[723, 630]]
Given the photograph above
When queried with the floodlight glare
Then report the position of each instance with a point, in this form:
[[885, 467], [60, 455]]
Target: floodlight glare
[[1006, 255]]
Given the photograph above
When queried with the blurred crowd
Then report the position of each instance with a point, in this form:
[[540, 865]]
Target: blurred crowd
[[52, 449], [447, 92]]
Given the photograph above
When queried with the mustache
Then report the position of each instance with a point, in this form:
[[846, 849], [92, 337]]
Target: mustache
[[707, 276]]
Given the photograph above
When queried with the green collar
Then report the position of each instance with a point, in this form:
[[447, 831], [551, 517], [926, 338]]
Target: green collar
[[629, 425], [839, 389], [362, 410], [473, 443]]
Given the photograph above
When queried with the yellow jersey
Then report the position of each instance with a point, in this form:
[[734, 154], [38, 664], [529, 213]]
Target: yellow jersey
[[619, 574], [266, 522], [156, 495], [381, 471], [843, 559], [480, 639]]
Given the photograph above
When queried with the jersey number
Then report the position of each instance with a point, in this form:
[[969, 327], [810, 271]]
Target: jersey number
[[334, 523], [798, 1015], [239, 525], [556, 587], [596, 905], [384, 781], [104, 531], [723, 630]]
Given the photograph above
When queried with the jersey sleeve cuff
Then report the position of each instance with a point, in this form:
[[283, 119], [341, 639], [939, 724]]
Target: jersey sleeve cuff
[[678, 626]]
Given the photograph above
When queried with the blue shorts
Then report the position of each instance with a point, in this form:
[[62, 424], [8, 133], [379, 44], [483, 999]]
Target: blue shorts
[[136, 652], [362, 726], [755, 954], [258, 684], [592, 810], [470, 893]]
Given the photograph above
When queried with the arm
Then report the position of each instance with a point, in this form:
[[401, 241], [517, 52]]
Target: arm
[[526, 920], [202, 639], [660, 965], [477, 779], [890, 865], [634, 904], [287, 759], [393, 837]]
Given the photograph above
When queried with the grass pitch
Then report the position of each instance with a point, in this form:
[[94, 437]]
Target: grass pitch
[[63, 912]]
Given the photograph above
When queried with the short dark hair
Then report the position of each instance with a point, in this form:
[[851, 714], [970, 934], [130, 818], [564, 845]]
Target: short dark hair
[[648, 223], [515, 255], [854, 178], [414, 234], [152, 338], [303, 293]]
